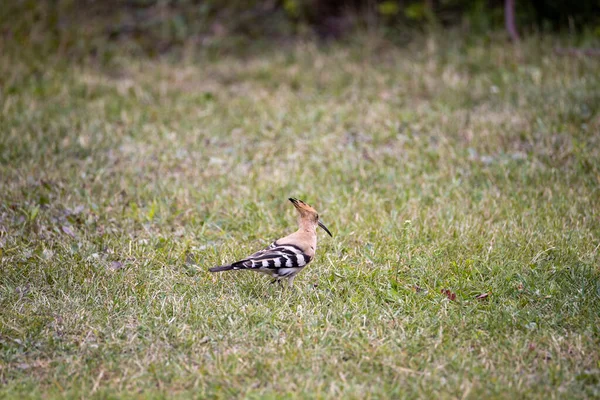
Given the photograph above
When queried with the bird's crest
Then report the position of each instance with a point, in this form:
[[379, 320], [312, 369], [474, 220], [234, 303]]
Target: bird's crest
[[302, 207]]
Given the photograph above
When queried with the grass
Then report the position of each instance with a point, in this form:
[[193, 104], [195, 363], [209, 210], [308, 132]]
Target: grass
[[446, 170]]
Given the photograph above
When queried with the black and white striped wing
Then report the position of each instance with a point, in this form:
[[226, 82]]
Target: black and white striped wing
[[280, 260], [261, 252]]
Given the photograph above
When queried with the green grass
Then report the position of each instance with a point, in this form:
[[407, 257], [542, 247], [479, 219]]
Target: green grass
[[442, 165]]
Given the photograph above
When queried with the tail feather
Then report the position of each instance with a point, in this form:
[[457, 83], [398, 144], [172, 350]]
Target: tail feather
[[221, 268]]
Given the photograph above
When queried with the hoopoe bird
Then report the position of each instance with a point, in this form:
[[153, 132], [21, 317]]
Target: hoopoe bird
[[285, 257]]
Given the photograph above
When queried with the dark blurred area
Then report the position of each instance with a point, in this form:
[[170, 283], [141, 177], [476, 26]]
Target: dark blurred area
[[156, 26]]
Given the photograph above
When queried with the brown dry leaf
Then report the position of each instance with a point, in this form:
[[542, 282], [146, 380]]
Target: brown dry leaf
[[449, 294]]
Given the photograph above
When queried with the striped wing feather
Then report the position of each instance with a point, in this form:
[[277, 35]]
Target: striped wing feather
[[273, 258]]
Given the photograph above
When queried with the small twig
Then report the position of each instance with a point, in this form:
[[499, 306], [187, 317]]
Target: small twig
[[596, 249], [97, 381]]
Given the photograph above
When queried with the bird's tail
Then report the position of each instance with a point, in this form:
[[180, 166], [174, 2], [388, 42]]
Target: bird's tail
[[221, 268]]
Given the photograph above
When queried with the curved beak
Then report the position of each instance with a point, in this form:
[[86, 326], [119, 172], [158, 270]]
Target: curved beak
[[322, 225]]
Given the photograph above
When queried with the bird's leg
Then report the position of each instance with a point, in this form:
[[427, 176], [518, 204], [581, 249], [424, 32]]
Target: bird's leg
[[277, 281], [291, 282]]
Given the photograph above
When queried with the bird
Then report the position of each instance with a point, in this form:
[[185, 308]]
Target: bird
[[285, 257]]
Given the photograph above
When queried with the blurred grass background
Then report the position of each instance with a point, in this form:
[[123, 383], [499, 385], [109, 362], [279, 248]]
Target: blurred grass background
[[458, 172]]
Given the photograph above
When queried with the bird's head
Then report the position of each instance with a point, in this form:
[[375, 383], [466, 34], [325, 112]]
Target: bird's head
[[308, 214]]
